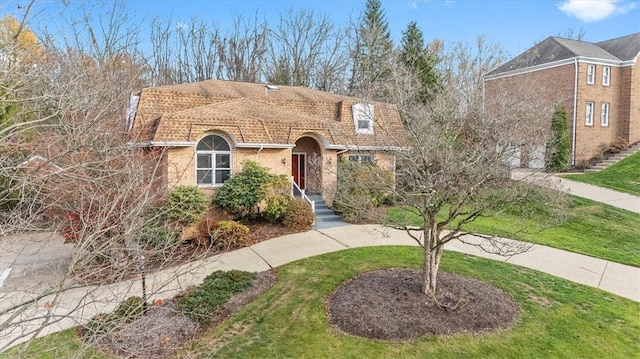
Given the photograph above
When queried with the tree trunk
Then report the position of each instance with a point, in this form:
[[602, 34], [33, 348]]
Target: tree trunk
[[431, 257]]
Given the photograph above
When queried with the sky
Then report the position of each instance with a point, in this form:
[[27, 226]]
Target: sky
[[515, 25]]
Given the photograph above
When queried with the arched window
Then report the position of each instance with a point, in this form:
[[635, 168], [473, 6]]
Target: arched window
[[213, 161]]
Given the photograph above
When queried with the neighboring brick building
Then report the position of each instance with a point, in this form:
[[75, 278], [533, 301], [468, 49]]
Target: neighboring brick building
[[598, 84], [209, 128]]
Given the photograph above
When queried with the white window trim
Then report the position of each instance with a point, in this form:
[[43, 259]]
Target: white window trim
[[591, 74], [589, 114], [360, 158], [213, 163], [604, 115], [606, 75]]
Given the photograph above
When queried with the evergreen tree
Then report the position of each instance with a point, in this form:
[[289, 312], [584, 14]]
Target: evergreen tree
[[559, 148], [420, 60], [372, 53]]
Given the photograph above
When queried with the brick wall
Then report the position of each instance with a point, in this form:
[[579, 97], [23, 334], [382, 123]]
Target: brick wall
[[557, 84], [593, 140], [630, 107]]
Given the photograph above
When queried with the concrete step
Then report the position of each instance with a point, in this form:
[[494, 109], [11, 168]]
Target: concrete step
[[333, 218], [615, 158]]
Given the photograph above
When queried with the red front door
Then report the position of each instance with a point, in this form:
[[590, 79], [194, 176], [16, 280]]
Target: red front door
[[298, 169]]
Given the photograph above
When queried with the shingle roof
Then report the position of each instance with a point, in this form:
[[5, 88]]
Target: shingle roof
[[625, 48], [556, 48], [251, 114]]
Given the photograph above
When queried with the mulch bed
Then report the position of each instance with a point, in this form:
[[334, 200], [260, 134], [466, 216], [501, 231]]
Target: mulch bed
[[101, 273], [163, 331], [388, 304]]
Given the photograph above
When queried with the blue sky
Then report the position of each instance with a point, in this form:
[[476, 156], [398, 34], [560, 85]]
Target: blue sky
[[516, 25]]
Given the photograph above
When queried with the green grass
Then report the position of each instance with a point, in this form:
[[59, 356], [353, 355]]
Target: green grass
[[559, 319], [624, 176], [64, 344], [592, 228]]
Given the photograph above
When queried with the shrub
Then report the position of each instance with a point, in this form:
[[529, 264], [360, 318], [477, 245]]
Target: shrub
[[202, 302], [9, 197], [206, 229], [277, 198], [361, 187], [187, 204], [157, 236], [299, 215], [241, 193], [558, 150], [126, 312], [618, 145], [230, 235]]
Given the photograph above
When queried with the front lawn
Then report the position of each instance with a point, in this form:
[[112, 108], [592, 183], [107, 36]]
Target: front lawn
[[624, 176], [559, 318], [592, 228]]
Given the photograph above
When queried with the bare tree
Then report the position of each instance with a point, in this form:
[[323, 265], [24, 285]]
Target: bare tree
[[455, 167], [306, 50], [197, 51], [244, 49], [190, 52], [68, 171]]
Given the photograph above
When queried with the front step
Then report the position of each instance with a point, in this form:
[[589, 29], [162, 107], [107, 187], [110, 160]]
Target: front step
[[325, 216], [615, 158]]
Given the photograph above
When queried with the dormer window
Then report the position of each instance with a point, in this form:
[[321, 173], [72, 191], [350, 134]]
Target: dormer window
[[363, 118]]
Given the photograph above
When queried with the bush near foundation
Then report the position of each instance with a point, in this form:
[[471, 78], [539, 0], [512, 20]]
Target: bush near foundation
[[241, 194], [361, 187], [187, 204], [229, 235], [299, 215]]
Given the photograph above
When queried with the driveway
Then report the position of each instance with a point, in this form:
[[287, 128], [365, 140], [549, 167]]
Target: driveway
[[30, 262]]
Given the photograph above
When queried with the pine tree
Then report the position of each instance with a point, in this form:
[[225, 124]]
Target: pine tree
[[372, 53], [420, 60], [559, 148]]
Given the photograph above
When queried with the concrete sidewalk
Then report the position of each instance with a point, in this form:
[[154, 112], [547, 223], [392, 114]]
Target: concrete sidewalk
[[595, 193], [600, 194], [78, 305]]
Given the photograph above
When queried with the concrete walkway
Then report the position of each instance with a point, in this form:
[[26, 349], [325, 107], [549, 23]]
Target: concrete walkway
[[600, 194], [595, 193], [76, 306]]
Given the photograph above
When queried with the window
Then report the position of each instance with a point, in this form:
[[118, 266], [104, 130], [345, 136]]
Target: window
[[363, 118], [604, 115], [213, 161], [606, 75], [591, 74], [589, 114], [368, 159]]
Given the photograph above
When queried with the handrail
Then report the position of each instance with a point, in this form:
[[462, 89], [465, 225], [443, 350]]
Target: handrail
[[304, 195]]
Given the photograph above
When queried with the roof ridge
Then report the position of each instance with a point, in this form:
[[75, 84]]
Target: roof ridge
[[557, 40]]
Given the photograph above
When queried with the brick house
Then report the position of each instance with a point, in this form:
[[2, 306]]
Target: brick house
[[598, 84], [203, 132]]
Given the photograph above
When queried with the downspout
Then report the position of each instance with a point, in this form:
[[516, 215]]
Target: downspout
[[575, 114]]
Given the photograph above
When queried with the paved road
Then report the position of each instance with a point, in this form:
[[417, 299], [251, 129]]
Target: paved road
[[31, 261]]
